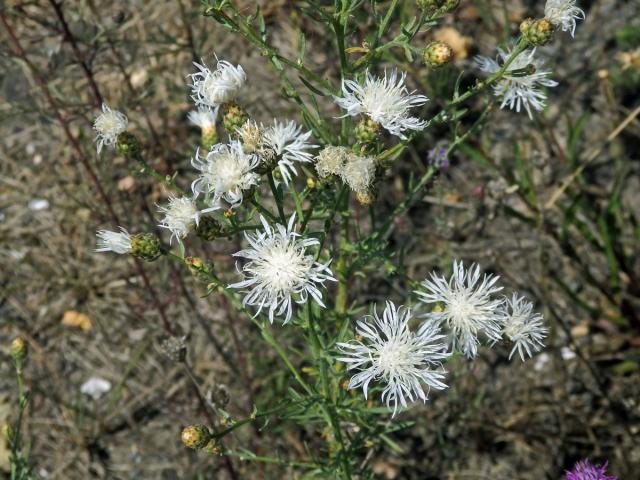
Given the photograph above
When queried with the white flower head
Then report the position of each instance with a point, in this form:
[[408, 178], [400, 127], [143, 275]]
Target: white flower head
[[519, 87], [563, 14], [392, 354], [359, 172], [331, 160], [467, 306], [280, 271], [289, 144], [226, 171], [250, 134], [385, 100], [109, 124], [523, 327], [181, 215], [117, 242], [213, 88], [204, 117]]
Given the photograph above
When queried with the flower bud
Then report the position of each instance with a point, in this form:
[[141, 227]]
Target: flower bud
[[209, 136], [441, 6], [311, 183], [367, 131], [145, 246], [212, 447], [537, 32], [364, 198], [437, 54], [19, 349], [196, 436], [128, 145], [209, 229], [200, 269], [234, 117]]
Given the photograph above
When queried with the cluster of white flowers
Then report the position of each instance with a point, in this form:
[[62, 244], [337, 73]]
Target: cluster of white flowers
[[213, 88], [467, 307], [356, 171], [522, 84]]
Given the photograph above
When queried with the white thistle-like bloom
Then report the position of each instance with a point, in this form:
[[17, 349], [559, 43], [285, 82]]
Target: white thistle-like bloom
[[519, 88], [289, 145], [392, 354], [563, 14], [213, 88], [226, 171], [359, 172], [467, 306], [180, 216], [523, 327], [331, 161], [250, 135], [385, 100], [117, 242], [109, 124], [279, 271], [205, 118]]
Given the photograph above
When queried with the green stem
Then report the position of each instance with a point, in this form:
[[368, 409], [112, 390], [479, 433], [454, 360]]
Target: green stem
[[277, 198]]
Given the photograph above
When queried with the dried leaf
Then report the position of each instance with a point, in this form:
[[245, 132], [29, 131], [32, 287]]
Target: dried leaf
[[71, 318]]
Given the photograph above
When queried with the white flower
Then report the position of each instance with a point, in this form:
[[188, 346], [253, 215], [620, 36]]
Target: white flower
[[563, 14], [279, 271], [213, 88], [205, 118], [109, 124], [524, 328], [289, 145], [390, 353], [386, 101], [467, 309], [226, 171], [519, 88], [250, 134], [181, 215], [331, 160], [359, 172], [117, 242]]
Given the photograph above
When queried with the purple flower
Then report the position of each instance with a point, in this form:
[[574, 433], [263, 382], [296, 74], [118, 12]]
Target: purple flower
[[437, 156], [584, 470]]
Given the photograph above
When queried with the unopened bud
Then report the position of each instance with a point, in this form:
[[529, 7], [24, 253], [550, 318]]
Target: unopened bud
[[437, 54], [537, 32], [364, 198], [367, 131], [128, 145], [213, 447], [311, 183], [209, 137], [19, 349], [209, 229], [145, 246], [199, 268], [440, 6], [234, 117], [196, 436]]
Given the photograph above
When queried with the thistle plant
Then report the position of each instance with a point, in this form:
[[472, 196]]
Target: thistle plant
[[291, 191]]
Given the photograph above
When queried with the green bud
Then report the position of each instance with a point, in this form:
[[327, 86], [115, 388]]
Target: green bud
[[537, 32], [200, 269], [145, 246], [196, 436], [441, 6], [209, 229], [19, 349], [209, 137], [128, 145], [367, 131], [234, 117], [437, 54]]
